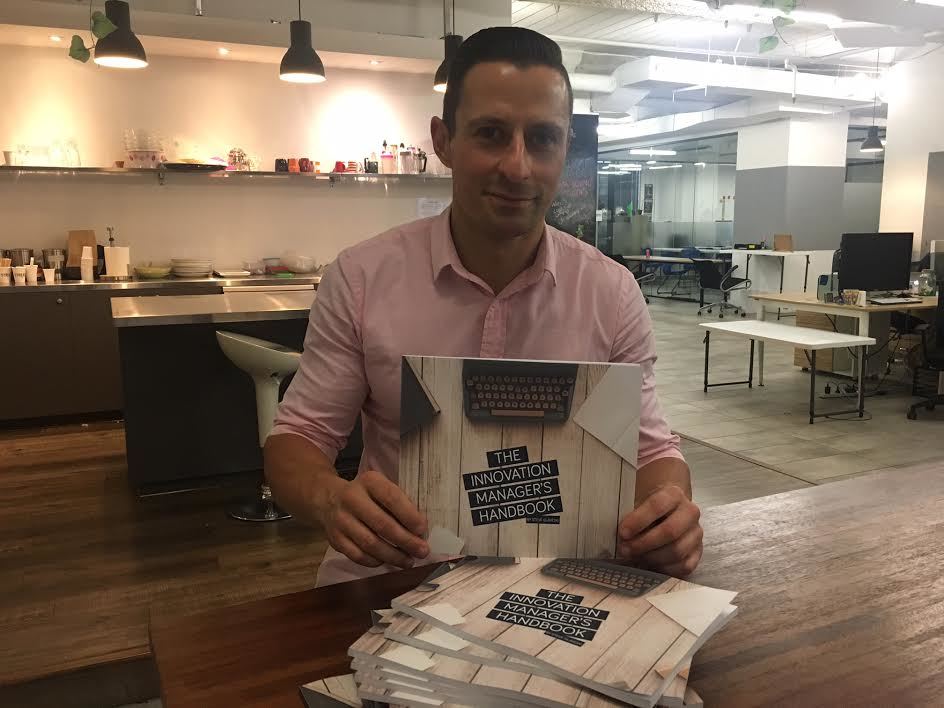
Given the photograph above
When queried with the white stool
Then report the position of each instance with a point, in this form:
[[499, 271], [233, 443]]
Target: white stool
[[268, 364]]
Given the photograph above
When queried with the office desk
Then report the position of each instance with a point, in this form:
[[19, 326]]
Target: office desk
[[840, 598], [667, 259], [807, 338], [808, 301], [777, 271]]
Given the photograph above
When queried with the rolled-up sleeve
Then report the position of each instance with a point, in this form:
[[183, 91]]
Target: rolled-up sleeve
[[329, 389], [634, 343]]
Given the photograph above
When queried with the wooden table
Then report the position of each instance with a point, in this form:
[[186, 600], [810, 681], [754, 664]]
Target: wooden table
[[841, 604], [808, 302]]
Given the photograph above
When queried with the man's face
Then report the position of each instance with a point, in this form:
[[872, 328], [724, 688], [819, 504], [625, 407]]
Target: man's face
[[508, 148]]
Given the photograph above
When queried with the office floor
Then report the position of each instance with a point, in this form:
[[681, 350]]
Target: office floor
[[770, 425]]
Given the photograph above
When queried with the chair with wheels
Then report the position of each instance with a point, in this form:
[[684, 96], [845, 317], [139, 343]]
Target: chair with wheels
[[711, 278], [926, 382]]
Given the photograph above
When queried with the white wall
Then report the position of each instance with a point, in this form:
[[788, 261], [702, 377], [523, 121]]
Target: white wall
[[861, 206], [806, 142], [915, 115], [207, 107]]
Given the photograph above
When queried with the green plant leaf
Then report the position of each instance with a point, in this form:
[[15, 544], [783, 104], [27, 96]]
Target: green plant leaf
[[781, 22], [768, 44], [77, 49], [101, 25]]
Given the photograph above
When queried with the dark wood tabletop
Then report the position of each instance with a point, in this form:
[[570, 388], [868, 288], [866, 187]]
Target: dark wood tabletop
[[841, 603]]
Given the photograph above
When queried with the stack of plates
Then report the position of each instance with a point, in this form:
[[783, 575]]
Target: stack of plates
[[191, 268]]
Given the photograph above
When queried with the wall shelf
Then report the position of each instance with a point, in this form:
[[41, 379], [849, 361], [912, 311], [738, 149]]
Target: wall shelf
[[162, 176]]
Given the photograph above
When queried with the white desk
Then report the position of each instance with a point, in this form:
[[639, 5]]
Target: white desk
[[812, 340], [775, 271]]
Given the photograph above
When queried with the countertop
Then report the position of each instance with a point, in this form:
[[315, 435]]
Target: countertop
[[170, 283], [211, 309]]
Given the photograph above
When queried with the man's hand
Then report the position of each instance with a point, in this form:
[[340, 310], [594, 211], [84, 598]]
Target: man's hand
[[371, 521], [663, 533]]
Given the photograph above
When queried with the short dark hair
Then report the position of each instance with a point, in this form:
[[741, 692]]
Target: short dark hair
[[515, 45]]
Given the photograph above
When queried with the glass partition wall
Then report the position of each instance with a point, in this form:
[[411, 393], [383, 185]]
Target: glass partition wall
[[666, 199]]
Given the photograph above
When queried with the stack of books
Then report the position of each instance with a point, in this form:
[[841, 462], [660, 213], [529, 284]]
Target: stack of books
[[532, 631]]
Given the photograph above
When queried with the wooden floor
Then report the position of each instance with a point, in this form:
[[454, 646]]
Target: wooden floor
[[83, 562]]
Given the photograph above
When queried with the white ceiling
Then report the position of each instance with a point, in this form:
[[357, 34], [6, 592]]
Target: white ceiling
[[603, 37]]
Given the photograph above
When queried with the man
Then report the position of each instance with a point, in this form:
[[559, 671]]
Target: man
[[488, 279]]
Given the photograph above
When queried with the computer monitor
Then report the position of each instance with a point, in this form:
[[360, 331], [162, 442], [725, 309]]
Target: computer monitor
[[876, 262]]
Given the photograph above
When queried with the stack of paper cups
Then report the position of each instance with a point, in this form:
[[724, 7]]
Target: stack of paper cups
[[88, 264], [118, 260]]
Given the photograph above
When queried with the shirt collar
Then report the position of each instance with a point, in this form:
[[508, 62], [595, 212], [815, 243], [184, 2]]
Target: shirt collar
[[444, 255]]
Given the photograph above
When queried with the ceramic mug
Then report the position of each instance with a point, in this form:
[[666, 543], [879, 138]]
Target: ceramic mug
[[5, 275], [281, 165], [305, 165], [293, 164], [339, 166]]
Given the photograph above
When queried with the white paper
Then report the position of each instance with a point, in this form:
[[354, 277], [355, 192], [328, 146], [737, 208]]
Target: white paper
[[612, 410], [694, 609], [444, 612], [418, 699], [443, 542], [409, 656], [427, 206], [441, 638]]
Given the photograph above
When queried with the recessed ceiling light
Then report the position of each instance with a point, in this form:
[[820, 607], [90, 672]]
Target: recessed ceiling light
[[55, 38], [650, 162], [223, 51], [650, 151], [375, 62]]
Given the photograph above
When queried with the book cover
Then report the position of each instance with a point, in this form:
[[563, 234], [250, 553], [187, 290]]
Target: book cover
[[520, 458]]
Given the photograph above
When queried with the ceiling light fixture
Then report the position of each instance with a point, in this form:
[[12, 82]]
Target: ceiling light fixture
[[375, 62], [651, 152], [301, 63], [55, 38], [223, 51], [651, 162], [121, 49], [873, 143], [701, 164], [451, 42]]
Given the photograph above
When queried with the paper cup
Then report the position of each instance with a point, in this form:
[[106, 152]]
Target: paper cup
[[5, 275], [19, 275], [32, 274], [49, 275]]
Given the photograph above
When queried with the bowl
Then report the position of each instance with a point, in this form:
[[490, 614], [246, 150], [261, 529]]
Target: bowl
[[152, 272]]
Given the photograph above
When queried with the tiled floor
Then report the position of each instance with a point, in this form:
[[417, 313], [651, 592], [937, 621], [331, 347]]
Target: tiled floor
[[769, 425]]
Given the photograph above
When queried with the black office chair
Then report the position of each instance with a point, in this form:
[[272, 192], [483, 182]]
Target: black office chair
[[926, 377], [642, 276], [710, 278]]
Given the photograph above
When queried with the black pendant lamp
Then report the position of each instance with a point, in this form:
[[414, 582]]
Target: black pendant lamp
[[121, 49], [301, 63], [451, 42], [873, 143]]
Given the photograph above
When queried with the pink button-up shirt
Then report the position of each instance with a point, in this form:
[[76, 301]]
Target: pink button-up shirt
[[407, 292]]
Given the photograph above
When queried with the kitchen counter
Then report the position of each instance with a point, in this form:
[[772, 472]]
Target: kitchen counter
[[167, 283], [211, 309]]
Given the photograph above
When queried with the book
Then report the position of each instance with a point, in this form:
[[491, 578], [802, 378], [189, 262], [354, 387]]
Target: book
[[506, 633], [520, 458]]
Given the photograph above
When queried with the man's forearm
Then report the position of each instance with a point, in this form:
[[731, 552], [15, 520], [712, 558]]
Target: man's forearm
[[665, 470], [300, 475]]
